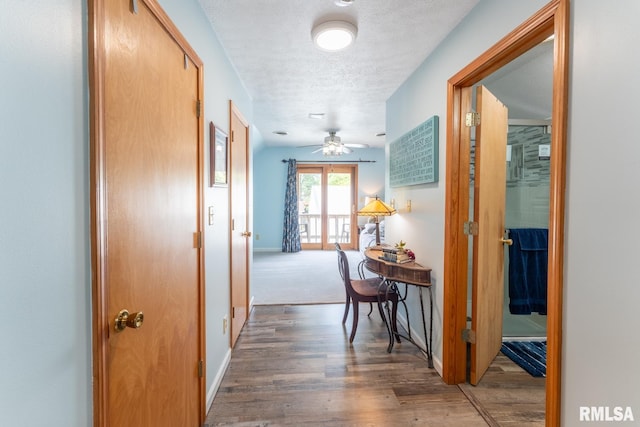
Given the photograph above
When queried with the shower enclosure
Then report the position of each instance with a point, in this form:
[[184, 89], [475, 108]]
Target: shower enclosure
[[527, 208]]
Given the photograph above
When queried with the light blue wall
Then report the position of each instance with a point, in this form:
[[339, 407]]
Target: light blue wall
[[45, 291], [270, 177], [45, 298], [45, 279], [600, 336], [424, 95], [220, 85]]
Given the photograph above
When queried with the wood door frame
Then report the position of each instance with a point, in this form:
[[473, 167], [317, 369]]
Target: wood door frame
[[551, 19], [100, 322], [235, 111], [326, 169]]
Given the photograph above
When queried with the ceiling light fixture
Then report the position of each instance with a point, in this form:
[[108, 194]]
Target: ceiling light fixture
[[333, 146], [344, 2], [334, 35]]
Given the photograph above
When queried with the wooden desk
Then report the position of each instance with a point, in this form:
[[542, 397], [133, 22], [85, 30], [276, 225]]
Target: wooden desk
[[410, 273]]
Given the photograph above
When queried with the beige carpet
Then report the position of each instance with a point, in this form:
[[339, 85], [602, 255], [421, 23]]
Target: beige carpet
[[305, 277]]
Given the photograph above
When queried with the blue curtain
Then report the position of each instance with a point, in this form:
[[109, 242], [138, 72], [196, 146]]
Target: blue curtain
[[290, 230]]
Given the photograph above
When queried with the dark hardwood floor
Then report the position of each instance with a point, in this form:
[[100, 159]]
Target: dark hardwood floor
[[293, 366]]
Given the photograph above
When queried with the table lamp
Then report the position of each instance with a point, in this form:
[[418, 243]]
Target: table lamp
[[376, 208]]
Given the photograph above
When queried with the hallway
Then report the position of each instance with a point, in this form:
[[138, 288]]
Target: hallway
[[293, 365]]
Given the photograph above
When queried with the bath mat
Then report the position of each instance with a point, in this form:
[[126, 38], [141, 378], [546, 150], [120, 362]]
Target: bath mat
[[529, 355]]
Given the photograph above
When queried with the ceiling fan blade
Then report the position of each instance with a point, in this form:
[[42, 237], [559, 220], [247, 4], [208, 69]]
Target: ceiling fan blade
[[307, 146], [346, 149], [357, 145], [316, 151]]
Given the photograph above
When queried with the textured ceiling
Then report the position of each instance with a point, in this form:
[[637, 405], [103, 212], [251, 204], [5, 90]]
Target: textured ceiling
[[269, 44]]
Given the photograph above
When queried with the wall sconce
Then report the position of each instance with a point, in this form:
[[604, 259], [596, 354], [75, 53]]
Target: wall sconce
[[408, 205]]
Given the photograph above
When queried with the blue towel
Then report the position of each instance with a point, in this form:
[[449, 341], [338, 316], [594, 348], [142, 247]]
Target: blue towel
[[528, 270]]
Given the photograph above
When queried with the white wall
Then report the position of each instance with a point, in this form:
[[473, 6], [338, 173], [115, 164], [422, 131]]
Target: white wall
[[45, 297], [601, 341]]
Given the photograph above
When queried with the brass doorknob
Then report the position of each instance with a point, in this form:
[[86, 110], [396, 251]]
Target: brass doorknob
[[126, 320], [246, 234], [508, 242]]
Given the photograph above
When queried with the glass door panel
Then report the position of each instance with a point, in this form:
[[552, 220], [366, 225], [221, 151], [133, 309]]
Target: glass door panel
[[339, 203], [326, 211], [310, 207]]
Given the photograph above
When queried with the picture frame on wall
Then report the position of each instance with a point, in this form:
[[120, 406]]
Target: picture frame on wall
[[218, 152]]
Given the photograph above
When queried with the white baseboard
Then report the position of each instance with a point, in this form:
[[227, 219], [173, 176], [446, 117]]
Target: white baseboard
[[419, 339], [211, 394], [267, 249]]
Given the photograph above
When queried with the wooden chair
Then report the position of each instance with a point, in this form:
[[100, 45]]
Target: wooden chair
[[367, 290]]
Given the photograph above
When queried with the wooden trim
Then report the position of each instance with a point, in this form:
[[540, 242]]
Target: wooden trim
[[202, 326], [173, 31], [553, 18], [100, 324], [557, 208], [96, 126]]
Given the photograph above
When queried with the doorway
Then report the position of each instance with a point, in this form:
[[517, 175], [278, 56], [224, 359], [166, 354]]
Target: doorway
[[326, 206], [553, 19], [240, 234], [146, 181]]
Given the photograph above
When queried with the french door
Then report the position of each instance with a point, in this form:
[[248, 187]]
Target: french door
[[327, 206]]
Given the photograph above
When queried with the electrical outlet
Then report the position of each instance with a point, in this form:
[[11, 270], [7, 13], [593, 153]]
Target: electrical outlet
[[224, 325], [257, 236]]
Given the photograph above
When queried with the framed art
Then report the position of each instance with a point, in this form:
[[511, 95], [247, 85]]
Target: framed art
[[218, 149]]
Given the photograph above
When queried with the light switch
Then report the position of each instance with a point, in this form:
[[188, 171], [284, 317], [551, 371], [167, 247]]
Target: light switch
[[210, 215]]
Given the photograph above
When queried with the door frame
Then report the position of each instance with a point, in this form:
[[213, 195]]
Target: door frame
[[99, 290], [234, 111], [551, 19], [325, 170]]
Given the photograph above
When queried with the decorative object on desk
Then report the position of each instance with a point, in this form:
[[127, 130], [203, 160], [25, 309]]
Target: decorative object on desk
[[400, 246], [376, 208], [411, 254], [399, 256]]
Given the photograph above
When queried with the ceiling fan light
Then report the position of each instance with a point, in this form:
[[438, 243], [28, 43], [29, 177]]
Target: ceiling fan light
[[334, 35]]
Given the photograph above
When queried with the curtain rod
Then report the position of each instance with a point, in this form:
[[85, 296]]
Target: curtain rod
[[331, 161]]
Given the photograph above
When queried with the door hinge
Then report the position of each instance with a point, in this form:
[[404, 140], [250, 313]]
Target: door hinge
[[469, 336], [198, 108], [197, 240], [233, 136], [233, 312], [134, 6], [471, 228], [472, 119], [200, 369]]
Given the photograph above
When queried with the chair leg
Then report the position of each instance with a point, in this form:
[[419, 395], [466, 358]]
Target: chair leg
[[346, 309], [370, 309], [355, 320]]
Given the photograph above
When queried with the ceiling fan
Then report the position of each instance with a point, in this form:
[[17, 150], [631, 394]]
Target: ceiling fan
[[333, 146]]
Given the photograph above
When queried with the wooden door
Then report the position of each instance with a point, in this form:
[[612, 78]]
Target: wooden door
[[240, 234], [488, 250], [146, 183]]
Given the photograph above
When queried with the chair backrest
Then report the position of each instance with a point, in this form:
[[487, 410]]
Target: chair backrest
[[343, 267], [338, 250]]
